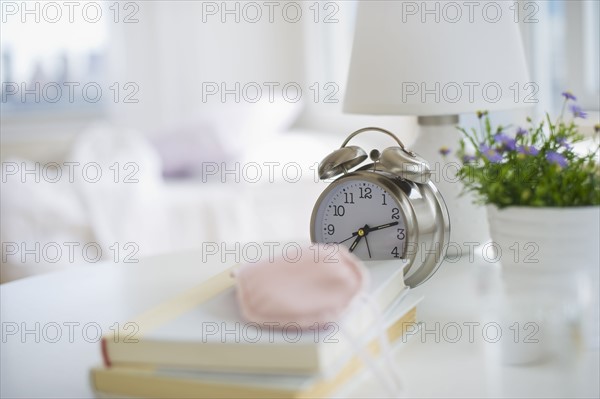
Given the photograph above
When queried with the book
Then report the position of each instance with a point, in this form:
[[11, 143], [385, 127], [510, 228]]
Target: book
[[165, 382], [203, 329]]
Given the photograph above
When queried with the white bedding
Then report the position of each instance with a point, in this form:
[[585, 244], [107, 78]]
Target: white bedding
[[154, 216]]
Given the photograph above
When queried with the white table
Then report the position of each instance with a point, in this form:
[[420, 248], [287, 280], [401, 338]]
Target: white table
[[109, 293]]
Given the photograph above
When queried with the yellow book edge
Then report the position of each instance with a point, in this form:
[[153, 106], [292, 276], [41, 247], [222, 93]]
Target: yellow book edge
[[144, 382], [118, 351]]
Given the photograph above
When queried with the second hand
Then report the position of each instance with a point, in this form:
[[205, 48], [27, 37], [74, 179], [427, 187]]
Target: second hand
[[353, 235]]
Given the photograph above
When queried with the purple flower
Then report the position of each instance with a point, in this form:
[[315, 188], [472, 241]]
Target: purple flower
[[569, 96], [508, 143], [527, 150], [444, 151], [556, 158], [468, 158], [521, 132], [564, 143], [578, 112], [490, 154]]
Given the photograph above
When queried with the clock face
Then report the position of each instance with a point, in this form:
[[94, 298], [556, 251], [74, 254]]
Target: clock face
[[364, 217]]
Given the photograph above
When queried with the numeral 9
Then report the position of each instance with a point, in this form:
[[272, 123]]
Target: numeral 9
[[330, 229]]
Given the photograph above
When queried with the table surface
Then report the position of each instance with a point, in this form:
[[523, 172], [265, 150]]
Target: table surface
[[433, 364]]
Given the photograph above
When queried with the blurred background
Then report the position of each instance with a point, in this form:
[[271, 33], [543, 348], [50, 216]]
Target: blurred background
[[135, 128]]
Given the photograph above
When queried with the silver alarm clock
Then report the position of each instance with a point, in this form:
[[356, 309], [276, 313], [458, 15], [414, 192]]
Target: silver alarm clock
[[387, 209]]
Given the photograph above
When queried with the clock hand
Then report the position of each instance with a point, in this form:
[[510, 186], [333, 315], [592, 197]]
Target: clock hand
[[353, 235], [355, 243], [368, 249], [362, 232], [380, 227]]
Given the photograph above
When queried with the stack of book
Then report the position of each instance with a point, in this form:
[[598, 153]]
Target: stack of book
[[197, 345]]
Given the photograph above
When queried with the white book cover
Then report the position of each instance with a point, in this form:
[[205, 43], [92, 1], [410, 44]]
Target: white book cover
[[163, 381], [204, 329]]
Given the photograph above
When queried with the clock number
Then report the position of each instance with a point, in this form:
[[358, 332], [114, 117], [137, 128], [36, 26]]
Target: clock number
[[395, 213], [330, 229], [339, 210], [384, 203], [401, 234], [365, 192], [349, 198], [395, 252]]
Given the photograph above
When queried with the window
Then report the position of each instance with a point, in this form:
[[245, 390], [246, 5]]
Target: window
[[52, 57], [563, 50]]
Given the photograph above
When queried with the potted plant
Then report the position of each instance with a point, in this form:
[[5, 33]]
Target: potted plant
[[542, 198]]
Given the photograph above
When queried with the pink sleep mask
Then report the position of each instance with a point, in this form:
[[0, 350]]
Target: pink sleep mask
[[317, 288]]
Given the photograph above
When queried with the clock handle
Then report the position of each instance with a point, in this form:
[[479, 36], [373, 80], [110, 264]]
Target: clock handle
[[377, 129], [398, 159]]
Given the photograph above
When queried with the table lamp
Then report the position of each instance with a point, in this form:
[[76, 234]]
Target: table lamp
[[436, 60]]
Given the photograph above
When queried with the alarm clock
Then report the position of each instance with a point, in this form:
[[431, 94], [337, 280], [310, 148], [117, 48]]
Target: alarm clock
[[388, 209]]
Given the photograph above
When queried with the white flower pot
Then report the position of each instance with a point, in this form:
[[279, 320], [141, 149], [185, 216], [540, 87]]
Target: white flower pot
[[550, 261], [563, 237]]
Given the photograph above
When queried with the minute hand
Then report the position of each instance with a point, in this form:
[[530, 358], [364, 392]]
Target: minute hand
[[383, 226]]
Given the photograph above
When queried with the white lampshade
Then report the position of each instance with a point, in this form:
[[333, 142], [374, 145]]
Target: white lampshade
[[396, 54]]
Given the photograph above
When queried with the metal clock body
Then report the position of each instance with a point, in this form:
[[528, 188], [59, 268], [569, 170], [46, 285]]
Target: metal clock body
[[385, 210]]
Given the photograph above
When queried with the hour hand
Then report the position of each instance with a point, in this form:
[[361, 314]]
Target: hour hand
[[355, 243]]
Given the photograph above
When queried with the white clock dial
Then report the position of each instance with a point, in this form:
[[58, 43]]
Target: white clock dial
[[364, 217]]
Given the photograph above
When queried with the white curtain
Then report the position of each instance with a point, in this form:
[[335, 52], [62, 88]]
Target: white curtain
[[170, 52]]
